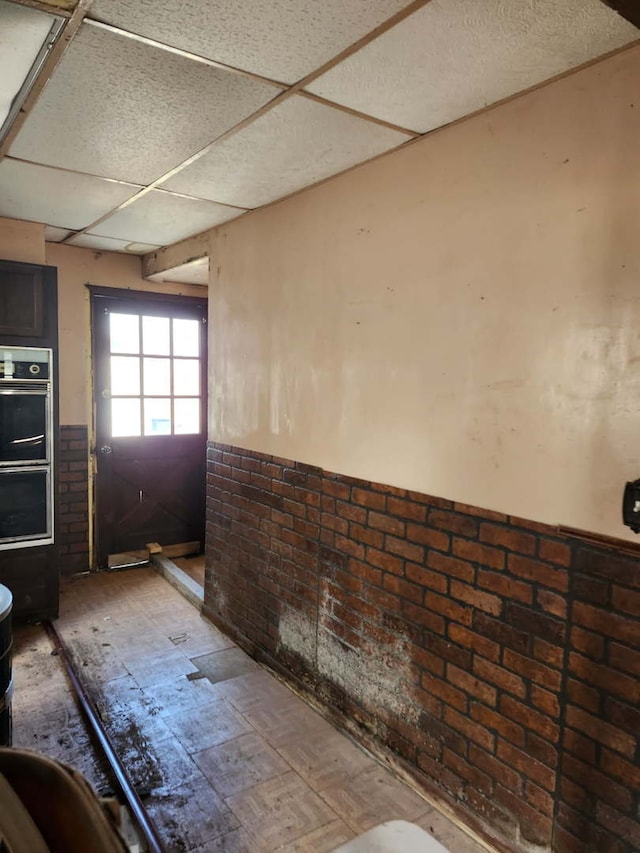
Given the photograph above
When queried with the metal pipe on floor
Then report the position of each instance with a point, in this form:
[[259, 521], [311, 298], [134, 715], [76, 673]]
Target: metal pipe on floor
[[122, 777]]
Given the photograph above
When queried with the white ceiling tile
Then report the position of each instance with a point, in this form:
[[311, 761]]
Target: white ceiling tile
[[56, 235], [22, 33], [293, 145], [453, 57], [162, 218], [122, 109], [193, 272], [280, 39], [108, 244], [64, 199]]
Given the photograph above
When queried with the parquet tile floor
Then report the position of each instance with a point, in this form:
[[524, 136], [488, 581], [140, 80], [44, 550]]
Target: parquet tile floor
[[224, 755]]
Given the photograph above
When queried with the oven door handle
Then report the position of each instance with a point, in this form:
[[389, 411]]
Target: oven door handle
[[28, 391]]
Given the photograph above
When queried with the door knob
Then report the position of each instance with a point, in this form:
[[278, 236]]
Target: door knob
[[105, 449]]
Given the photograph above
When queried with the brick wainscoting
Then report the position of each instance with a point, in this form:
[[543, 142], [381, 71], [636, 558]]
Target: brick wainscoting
[[73, 507], [496, 657]]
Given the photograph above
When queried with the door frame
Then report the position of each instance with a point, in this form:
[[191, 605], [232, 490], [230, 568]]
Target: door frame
[[97, 293]]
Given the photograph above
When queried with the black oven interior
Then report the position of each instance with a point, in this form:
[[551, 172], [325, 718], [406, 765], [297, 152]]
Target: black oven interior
[[24, 504], [26, 457], [23, 425]]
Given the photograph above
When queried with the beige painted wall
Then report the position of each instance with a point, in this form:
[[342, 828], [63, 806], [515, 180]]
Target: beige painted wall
[[22, 241], [77, 267], [461, 317]]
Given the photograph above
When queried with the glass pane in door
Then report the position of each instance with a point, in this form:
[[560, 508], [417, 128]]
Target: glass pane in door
[[157, 416], [156, 336], [186, 337], [124, 332], [157, 377], [186, 377], [125, 375], [187, 416], [125, 417]]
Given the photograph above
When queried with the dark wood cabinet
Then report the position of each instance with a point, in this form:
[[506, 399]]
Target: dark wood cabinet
[[28, 304], [29, 318]]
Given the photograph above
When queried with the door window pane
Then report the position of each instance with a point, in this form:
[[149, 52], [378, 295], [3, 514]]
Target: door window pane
[[186, 337], [187, 417], [186, 377], [125, 417], [156, 336], [125, 374], [157, 376], [124, 333], [157, 416]]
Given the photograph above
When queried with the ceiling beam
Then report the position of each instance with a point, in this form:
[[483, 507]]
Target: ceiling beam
[[628, 9], [71, 27], [176, 255]]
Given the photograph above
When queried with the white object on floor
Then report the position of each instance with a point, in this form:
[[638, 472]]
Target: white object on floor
[[395, 836]]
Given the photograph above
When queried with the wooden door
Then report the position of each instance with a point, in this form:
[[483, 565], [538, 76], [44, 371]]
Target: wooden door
[[150, 386]]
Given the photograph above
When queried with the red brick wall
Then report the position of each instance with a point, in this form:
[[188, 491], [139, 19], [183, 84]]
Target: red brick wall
[[495, 656], [73, 506], [600, 779]]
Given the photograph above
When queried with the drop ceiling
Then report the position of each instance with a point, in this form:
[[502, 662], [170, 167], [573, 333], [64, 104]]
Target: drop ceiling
[[153, 120]]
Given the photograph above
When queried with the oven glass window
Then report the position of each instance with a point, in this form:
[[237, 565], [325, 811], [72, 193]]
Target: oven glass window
[[23, 427], [24, 505]]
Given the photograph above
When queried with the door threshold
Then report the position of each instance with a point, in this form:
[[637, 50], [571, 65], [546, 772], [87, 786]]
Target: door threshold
[[142, 556], [128, 560]]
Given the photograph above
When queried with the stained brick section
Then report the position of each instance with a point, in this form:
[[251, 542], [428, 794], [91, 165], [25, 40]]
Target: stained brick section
[[263, 531], [600, 775], [449, 586], [73, 507], [445, 631]]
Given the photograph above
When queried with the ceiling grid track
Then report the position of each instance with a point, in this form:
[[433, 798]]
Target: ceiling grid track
[[69, 31], [277, 100], [254, 125]]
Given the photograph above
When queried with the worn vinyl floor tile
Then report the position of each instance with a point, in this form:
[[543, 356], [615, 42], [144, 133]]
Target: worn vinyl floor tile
[[237, 841], [258, 688], [327, 759], [45, 716], [98, 664], [213, 724], [190, 815], [448, 834], [374, 797], [198, 639], [158, 668], [280, 724], [280, 810], [179, 694], [225, 664], [322, 840], [154, 758], [121, 696], [240, 763]]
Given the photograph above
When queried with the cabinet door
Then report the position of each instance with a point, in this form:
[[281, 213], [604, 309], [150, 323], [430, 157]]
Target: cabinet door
[[27, 297]]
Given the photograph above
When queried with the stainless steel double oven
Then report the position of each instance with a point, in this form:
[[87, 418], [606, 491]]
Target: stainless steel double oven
[[26, 447]]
